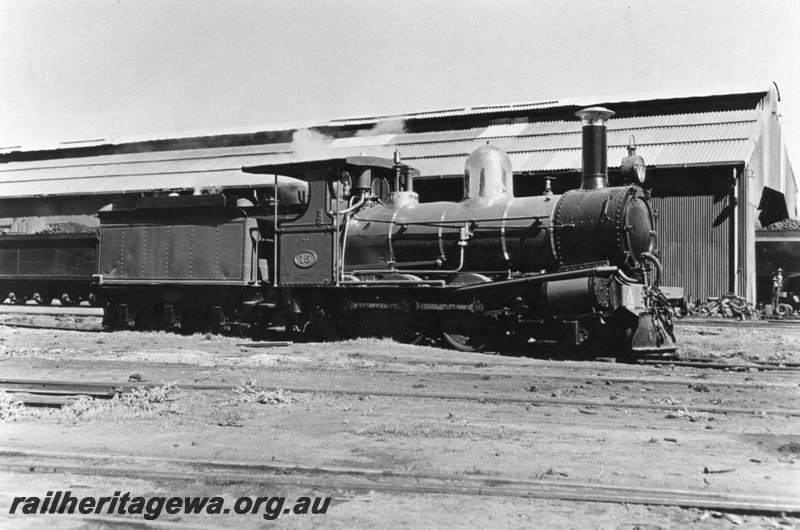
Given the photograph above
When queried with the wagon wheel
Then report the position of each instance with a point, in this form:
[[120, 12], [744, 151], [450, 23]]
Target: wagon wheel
[[679, 311], [18, 300], [67, 301], [683, 308], [44, 299], [466, 332]]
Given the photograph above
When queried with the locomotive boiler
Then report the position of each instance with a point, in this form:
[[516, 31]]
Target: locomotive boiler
[[344, 247]]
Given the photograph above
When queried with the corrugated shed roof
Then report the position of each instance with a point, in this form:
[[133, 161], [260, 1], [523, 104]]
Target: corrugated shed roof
[[128, 183], [686, 139], [440, 166], [581, 101]]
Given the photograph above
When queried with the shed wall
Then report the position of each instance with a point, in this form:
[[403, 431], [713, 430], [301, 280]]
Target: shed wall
[[694, 234]]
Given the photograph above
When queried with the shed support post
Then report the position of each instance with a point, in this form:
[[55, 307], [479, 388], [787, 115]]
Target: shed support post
[[275, 236], [733, 282]]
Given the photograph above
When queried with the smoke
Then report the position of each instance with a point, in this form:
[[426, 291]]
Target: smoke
[[207, 190], [310, 144], [384, 127]]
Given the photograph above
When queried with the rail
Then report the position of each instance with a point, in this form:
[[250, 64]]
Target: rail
[[389, 481], [85, 387]]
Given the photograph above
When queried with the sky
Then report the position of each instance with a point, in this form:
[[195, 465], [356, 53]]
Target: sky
[[109, 69]]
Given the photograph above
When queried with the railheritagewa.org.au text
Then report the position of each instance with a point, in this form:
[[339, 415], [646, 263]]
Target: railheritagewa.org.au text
[[64, 502]]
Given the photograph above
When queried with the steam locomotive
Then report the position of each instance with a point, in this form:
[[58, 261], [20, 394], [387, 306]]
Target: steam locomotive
[[342, 248]]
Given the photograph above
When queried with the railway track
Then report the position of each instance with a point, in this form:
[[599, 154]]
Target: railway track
[[91, 317], [89, 387], [50, 310], [60, 393], [389, 481], [57, 310], [610, 364], [733, 323], [760, 366], [27, 325], [695, 362], [94, 314]]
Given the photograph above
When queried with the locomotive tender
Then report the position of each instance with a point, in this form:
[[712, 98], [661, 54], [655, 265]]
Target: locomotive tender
[[343, 247]]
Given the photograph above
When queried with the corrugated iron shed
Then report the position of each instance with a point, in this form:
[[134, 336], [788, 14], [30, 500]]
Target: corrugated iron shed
[[694, 139]]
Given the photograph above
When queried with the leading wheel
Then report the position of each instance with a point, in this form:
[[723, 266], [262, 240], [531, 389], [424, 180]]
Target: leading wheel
[[465, 333]]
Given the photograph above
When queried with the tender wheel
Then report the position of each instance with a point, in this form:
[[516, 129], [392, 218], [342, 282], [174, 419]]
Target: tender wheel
[[466, 334], [317, 327], [189, 324]]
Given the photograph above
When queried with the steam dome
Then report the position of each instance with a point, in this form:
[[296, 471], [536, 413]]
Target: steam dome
[[488, 174]]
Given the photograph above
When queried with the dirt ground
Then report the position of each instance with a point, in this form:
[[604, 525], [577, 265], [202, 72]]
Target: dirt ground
[[625, 444]]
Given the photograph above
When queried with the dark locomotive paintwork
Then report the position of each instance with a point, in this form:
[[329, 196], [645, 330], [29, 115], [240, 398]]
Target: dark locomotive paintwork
[[518, 234], [157, 252], [616, 224], [505, 236], [179, 251]]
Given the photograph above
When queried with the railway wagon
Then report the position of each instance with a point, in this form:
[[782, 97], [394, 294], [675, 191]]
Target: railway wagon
[[343, 247], [47, 267]]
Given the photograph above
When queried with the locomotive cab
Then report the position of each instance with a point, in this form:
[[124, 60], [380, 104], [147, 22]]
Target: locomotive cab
[[308, 246]]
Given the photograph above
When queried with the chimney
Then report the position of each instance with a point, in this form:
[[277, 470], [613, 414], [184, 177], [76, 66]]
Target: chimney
[[595, 165]]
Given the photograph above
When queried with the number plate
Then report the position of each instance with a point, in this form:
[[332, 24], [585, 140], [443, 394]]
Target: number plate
[[305, 259]]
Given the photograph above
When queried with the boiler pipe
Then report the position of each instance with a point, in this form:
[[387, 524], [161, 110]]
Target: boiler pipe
[[566, 275]]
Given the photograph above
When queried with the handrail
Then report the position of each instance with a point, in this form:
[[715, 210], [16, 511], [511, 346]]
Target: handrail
[[456, 221], [565, 275], [462, 255]]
